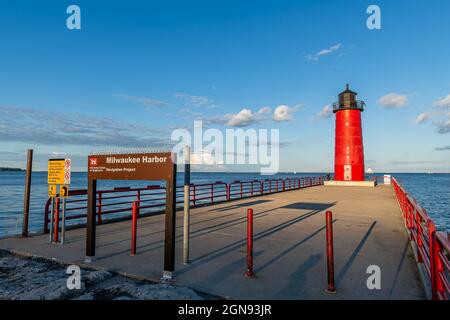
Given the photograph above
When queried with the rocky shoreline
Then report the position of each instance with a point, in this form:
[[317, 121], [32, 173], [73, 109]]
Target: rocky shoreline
[[30, 278]]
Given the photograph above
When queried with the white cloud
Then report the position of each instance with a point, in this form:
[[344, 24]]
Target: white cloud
[[195, 101], [283, 113], [242, 118], [148, 102], [444, 126], [326, 112], [443, 102], [204, 158], [246, 117], [61, 129], [422, 118], [323, 52], [393, 100]]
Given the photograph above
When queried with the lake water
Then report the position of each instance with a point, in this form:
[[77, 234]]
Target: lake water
[[432, 191]]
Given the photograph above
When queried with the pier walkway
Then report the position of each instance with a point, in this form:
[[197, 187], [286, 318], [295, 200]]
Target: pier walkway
[[289, 247]]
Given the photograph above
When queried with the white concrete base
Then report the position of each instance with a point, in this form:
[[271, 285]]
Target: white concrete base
[[350, 183]]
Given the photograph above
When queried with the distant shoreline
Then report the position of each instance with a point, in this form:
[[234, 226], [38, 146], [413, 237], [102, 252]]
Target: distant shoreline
[[5, 169]]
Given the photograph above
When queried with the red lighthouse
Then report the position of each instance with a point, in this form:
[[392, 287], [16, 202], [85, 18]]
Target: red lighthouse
[[349, 150]]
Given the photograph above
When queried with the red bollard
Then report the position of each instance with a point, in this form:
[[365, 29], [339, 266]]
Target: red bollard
[[56, 222], [134, 215], [330, 253], [249, 272]]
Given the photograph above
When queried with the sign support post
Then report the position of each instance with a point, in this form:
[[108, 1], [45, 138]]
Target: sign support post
[[134, 166], [187, 203], [91, 219], [63, 227], [169, 241], [59, 173], [50, 239]]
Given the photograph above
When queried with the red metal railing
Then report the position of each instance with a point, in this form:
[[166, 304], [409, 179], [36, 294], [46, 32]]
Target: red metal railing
[[433, 247], [117, 202]]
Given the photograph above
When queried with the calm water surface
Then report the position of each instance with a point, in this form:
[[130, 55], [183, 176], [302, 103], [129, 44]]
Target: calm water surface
[[432, 191]]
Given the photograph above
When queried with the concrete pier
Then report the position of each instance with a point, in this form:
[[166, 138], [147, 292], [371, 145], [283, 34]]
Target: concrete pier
[[289, 246]]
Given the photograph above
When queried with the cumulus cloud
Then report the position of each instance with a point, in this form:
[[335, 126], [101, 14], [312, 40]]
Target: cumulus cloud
[[393, 100], [246, 117], [326, 112], [323, 52], [422, 118], [205, 158], [284, 113], [148, 102], [57, 128], [441, 120], [443, 102], [443, 126]]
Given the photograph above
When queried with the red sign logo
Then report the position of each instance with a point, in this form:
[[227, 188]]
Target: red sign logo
[[92, 162]]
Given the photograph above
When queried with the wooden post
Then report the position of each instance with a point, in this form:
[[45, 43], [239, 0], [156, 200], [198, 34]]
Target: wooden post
[[169, 239], [26, 198], [187, 202], [91, 219]]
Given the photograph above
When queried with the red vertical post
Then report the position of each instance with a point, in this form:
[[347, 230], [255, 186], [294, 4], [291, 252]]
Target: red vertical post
[[249, 272], [134, 215], [56, 219], [419, 234], [431, 231], [330, 253], [437, 285]]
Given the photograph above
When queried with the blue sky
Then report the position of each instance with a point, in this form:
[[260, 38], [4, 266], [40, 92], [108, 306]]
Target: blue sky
[[135, 71]]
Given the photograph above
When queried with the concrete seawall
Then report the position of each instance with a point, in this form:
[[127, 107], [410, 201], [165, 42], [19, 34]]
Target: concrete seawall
[[289, 247]]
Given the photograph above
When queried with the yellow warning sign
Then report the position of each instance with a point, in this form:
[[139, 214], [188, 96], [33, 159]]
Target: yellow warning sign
[[52, 191], [59, 171], [63, 191]]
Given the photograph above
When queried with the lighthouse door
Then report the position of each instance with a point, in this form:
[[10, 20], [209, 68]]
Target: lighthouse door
[[347, 172]]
